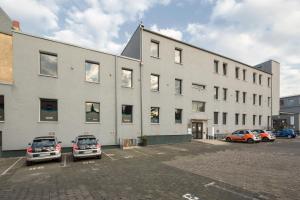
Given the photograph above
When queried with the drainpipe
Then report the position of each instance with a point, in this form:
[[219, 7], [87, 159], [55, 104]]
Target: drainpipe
[[141, 80], [116, 103]]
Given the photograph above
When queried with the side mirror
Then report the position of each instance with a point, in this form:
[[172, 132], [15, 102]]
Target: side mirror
[[73, 141], [59, 142], [29, 143]]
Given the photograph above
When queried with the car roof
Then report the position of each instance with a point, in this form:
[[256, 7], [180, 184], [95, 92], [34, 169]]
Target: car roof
[[44, 137], [86, 136]]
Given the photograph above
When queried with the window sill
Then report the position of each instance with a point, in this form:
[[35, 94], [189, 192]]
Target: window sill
[[179, 95], [92, 82], [178, 63], [178, 123], [49, 122], [44, 75], [2, 121], [155, 57], [92, 122], [127, 123], [127, 87], [155, 91], [155, 123]]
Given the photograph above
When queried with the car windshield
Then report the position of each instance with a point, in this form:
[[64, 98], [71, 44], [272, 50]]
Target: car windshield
[[87, 141], [37, 143]]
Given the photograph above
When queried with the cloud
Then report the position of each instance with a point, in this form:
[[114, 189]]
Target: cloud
[[254, 31], [171, 32]]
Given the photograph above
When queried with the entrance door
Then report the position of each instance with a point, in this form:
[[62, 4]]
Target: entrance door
[[197, 130]]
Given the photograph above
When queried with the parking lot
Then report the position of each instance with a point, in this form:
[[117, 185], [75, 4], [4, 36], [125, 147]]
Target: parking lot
[[193, 170]]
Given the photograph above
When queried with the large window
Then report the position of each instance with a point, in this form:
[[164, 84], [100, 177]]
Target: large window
[[198, 106], [237, 72], [216, 117], [224, 94], [127, 78], [260, 100], [216, 96], [237, 96], [225, 69], [178, 55], [244, 119], [237, 118], [48, 64], [244, 74], [178, 116], [254, 99], [244, 97], [154, 82], [127, 113], [48, 110], [178, 86], [92, 112], [92, 72], [154, 49], [155, 115], [1, 108], [216, 66], [224, 118]]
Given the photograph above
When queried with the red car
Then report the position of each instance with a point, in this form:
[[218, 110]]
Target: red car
[[266, 136]]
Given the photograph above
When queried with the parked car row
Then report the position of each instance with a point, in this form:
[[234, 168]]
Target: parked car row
[[49, 148], [258, 135]]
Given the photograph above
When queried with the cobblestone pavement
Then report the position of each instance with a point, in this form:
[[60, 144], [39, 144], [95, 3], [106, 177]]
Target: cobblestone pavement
[[195, 171]]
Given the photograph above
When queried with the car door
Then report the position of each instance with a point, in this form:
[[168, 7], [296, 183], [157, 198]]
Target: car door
[[234, 136], [241, 136]]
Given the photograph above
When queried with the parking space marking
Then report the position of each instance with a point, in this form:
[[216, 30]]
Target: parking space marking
[[175, 148], [209, 184], [160, 153], [64, 161], [145, 154], [10, 167], [109, 155], [36, 168], [190, 197], [88, 162], [130, 156]]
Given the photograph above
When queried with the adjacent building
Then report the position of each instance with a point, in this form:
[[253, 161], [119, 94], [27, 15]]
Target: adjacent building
[[159, 88]]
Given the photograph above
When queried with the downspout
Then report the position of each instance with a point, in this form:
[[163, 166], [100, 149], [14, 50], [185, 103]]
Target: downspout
[[271, 117], [141, 80], [116, 103]]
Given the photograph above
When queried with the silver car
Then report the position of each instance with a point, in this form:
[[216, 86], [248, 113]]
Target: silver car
[[86, 146], [43, 148]]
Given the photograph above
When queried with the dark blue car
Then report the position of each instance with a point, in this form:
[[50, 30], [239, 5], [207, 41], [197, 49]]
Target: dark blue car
[[287, 132]]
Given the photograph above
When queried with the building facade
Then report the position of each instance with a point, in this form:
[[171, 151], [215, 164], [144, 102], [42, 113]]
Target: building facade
[[159, 88]]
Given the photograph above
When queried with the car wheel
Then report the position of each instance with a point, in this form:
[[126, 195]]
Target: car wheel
[[289, 136], [250, 140], [99, 157], [265, 139], [28, 163], [58, 159], [74, 159], [228, 139]]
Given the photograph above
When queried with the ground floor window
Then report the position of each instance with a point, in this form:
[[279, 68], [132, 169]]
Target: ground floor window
[[178, 116], [1, 108], [92, 111], [126, 113], [48, 110], [224, 118], [216, 117], [198, 106], [155, 115]]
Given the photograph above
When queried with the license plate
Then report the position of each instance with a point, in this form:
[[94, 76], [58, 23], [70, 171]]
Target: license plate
[[89, 151], [94, 151], [36, 155], [44, 154]]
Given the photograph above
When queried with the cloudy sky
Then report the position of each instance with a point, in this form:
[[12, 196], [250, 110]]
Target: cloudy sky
[[251, 31]]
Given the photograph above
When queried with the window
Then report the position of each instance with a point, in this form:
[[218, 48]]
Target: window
[[92, 112], [2, 108], [48, 110], [155, 115], [216, 117], [178, 116], [260, 79], [154, 49], [281, 102], [269, 81], [259, 119], [216, 65], [178, 55], [127, 78], [216, 96], [254, 77], [92, 72], [237, 72], [269, 101], [154, 82], [198, 106], [254, 99], [48, 64], [237, 95], [224, 94], [236, 119], [178, 86], [260, 99], [127, 113], [244, 119], [198, 86], [224, 118], [225, 69], [244, 74], [244, 97], [254, 119]]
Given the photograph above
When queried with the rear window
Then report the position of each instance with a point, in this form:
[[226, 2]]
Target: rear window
[[43, 143], [88, 141]]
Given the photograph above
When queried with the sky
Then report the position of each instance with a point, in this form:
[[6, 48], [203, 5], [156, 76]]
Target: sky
[[252, 31]]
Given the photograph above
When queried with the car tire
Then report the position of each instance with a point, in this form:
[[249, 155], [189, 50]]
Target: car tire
[[228, 139], [250, 141], [99, 157], [28, 163], [74, 159], [289, 136], [58, 159], [265, 139]]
